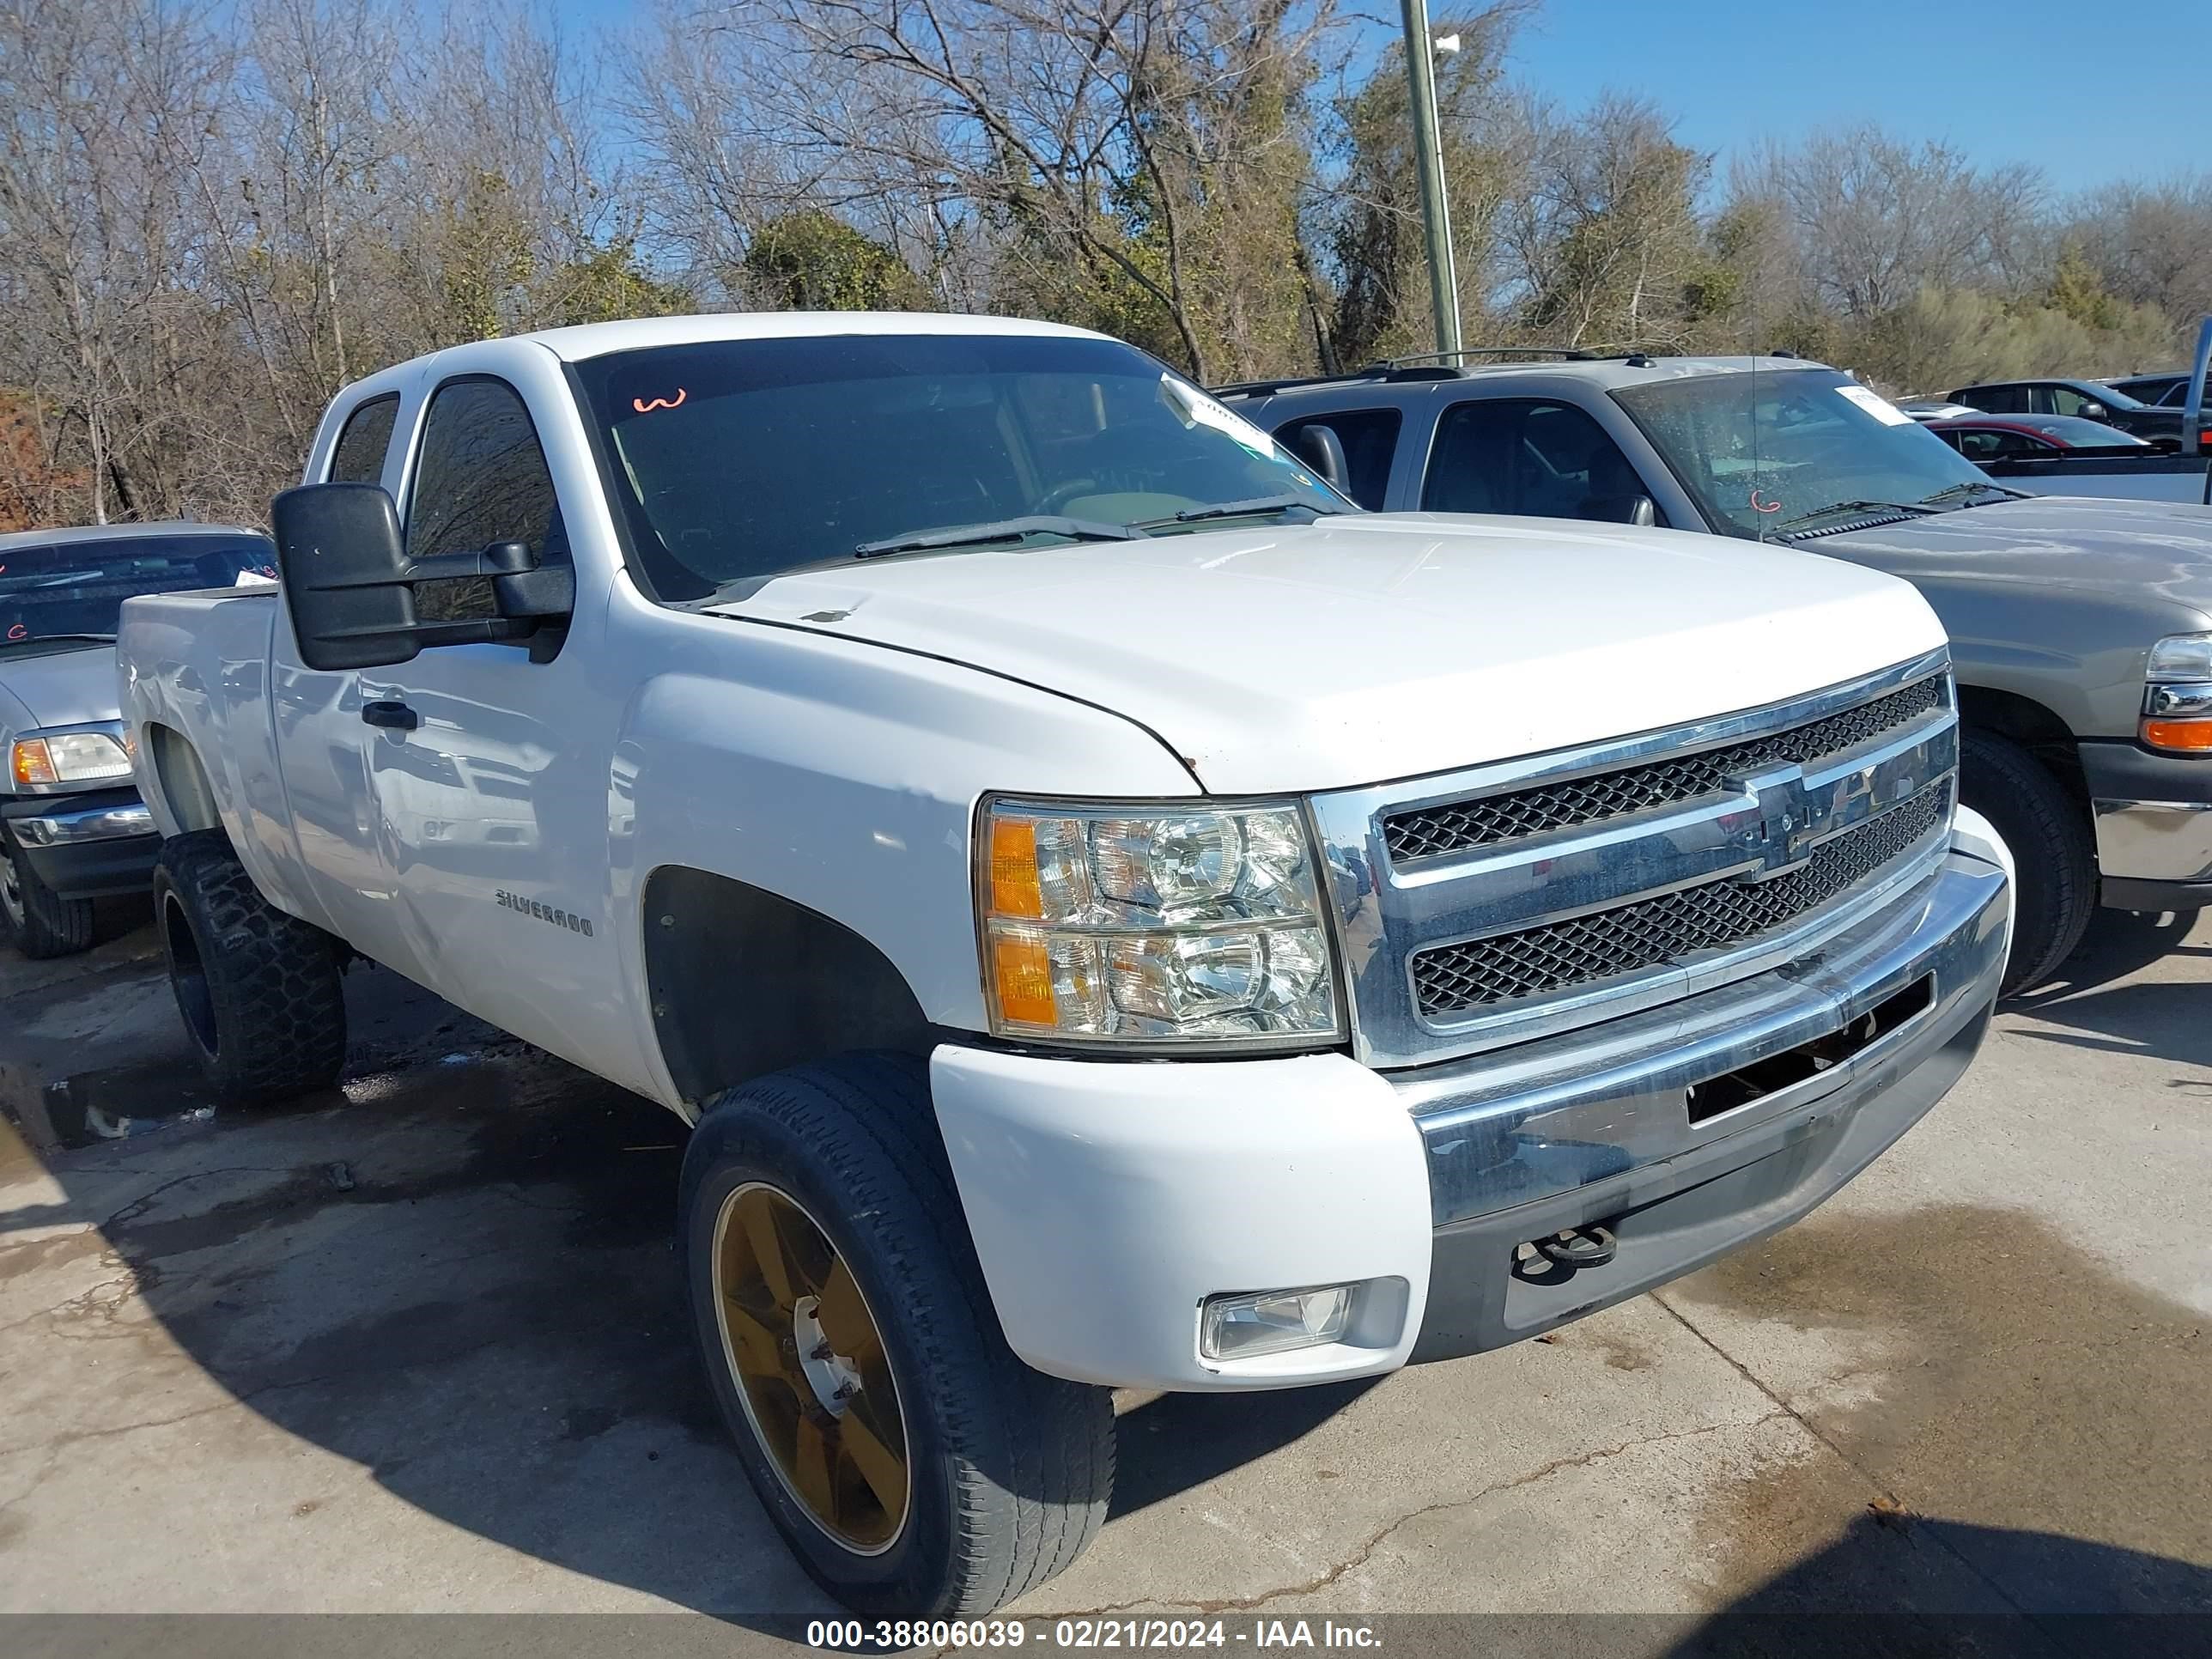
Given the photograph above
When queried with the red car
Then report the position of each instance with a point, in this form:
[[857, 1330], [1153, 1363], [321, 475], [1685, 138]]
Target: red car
[[2030, 437]]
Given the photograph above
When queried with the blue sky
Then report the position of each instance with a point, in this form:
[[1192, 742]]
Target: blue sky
[[2063, 84]]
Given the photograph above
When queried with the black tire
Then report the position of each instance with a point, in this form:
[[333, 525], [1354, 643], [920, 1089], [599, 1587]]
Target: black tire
[[259, 990], [33, 918], [2048, 832], [1009, 1470]]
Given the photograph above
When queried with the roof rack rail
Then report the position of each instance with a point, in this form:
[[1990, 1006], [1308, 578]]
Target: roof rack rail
[[1572, 354], [1267, 388], [1431, 366]]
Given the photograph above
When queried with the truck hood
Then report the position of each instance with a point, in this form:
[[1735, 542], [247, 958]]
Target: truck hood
[[1374, 646], [64, 688], [2131, 548]]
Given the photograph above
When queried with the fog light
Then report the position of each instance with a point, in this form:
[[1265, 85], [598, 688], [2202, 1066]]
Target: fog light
[[1272, 1322]]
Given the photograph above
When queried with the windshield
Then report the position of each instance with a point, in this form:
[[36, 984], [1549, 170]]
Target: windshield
[[741, 458], [1761, 453], [48, 594]]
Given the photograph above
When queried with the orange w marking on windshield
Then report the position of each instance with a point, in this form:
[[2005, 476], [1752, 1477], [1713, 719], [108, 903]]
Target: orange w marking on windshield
[[643, 407]]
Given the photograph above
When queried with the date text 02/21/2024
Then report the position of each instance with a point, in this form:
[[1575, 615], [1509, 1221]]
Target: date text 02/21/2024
[[1260, 1635]]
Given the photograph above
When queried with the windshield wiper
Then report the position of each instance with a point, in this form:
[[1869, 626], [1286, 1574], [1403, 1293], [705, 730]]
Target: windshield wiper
[[1237, 510], [998, 530], [1902, 509], [1958, 492], [47, 639]]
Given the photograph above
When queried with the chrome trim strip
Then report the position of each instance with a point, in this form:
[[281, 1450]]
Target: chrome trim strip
[[1385, 916], [91, 824]]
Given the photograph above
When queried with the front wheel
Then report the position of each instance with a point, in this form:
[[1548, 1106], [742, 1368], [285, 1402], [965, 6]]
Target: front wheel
[[2056, 862], [915, 1467], [39, 921]]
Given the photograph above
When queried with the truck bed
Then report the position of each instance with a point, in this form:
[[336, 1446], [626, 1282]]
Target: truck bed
[[198, 663]]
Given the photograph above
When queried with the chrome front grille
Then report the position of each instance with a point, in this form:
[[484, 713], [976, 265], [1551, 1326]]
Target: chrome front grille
[[1458, 826], [1515, 900], [1720, 915]]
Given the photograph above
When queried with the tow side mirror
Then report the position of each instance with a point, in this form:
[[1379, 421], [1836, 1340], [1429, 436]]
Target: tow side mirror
[[350, 584]]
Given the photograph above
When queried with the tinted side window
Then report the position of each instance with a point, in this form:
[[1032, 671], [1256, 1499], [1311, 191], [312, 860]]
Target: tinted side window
[[1546, 460], [481, 478], [1370, 437], [358, 457], [1995, 399], [1999, 446]]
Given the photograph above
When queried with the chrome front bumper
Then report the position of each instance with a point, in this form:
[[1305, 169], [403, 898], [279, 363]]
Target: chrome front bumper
[[1597, 1128], [2155, 839], [93, 824]]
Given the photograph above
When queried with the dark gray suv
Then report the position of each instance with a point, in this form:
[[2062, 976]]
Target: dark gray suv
[[2081, 628]]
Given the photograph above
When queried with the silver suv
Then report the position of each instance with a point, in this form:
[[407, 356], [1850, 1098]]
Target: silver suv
[[2081, 630]]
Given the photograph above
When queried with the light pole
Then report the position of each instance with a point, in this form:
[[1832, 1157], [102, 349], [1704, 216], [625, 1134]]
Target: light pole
[[1429, 165]]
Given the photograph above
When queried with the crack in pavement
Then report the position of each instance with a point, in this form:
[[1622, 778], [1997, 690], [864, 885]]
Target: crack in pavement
[[1880, 1487], [1365, 1550]]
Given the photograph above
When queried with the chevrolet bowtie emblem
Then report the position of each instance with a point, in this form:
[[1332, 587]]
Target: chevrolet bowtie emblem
[[1778, 832]]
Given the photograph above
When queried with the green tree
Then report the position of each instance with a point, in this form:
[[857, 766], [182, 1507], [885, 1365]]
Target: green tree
[[810, 260]]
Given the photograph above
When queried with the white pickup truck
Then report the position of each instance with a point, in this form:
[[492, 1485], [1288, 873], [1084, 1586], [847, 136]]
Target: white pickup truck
[[1113, 913]]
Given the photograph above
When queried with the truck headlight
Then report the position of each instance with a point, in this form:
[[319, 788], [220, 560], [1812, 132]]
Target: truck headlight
[[1153, 925], [2178, 702], [68, 757], [2181, 657]]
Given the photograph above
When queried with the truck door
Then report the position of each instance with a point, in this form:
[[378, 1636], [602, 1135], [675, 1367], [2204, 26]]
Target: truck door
[[326, 751], [489, 766]]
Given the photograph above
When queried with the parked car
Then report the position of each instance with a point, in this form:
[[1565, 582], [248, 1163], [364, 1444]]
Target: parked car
[[2165, 389], [2089, 400], [72, 827], [2034, 437], [2081, 630], [918, 719]]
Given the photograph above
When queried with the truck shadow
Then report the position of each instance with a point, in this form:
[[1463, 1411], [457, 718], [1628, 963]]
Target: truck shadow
[[2095, 1001], [2099, 1598], [456, 1273]]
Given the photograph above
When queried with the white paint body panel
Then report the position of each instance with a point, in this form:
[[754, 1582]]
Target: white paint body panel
[[1371, 647], [1107, 1202]]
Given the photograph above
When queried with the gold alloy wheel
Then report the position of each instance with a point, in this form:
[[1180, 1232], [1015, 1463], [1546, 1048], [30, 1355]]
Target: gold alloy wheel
[[810, 1367]]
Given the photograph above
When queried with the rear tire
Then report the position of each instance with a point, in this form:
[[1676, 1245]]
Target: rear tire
[[259, 990], [2049, 834], [36, 919], [1007, 1471]]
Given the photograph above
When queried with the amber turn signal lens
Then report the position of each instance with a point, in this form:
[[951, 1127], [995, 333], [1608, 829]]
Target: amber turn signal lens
[[1023, 974], [2179, 737], [32, 764], [1014, 888]]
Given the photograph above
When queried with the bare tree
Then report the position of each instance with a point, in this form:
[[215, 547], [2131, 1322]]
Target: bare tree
[[1877, 219], [1607, 234], [108, 105]]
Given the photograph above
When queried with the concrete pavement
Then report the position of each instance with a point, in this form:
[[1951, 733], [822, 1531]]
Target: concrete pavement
[[418, 1346]]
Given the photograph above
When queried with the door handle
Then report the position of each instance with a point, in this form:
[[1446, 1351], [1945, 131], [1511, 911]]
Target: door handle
[[391, 714]]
